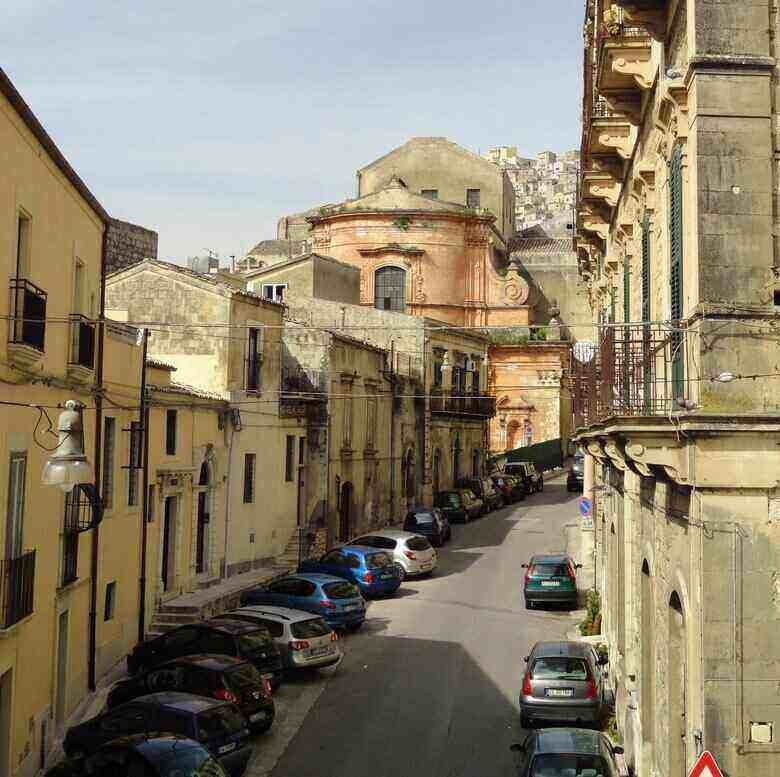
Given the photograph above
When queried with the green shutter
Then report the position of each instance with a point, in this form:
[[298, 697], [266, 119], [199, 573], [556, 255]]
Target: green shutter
[[626, 291], [612, 305], [647, 373], [676, 266], [626, 359]]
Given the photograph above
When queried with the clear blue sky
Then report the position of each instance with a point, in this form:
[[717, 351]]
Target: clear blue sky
[[208, 120]]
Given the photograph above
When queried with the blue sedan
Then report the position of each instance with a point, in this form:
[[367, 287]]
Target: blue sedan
[[338, 601], [372, 570]]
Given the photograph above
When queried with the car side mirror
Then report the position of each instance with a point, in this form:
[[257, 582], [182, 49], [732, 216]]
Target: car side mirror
[[517, 748], [618, 750]]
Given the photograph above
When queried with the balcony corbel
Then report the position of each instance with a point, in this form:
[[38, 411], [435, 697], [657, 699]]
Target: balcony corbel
[[664, 453], [592, 221], [596, 450], [603, 186], [616, 455], [637, 64], [620, 138], [625, 62]]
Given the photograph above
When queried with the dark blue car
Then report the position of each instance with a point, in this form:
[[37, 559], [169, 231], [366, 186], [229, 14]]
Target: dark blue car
[[338, 601], [372, 570]]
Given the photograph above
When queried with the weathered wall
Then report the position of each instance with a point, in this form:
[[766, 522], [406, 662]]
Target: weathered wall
[[127, 244]]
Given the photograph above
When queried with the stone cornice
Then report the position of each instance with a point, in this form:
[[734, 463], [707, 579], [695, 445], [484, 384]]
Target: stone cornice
[[391, 248]]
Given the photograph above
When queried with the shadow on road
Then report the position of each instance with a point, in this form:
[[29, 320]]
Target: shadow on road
[[398, 721]]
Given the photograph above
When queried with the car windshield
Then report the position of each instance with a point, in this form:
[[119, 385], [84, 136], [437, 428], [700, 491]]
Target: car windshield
[[418, 543], [220, 721], [254, 642], [308, 629], [378, 560], [450, 499], [559, 668], [342, 590], [570, 766], [186, 760], [242, 678], [423, 517], [550, 570]]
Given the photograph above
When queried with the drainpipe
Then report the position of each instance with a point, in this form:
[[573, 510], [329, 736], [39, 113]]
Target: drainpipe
[[144, 418], [93, 571], [228, 420], [391, 378]]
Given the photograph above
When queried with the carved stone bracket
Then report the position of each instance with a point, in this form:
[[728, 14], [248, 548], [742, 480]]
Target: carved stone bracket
[[603, 186], [638, 64], [616, 455], [620, 138], [592, 221], [664, 453], [596, 450]]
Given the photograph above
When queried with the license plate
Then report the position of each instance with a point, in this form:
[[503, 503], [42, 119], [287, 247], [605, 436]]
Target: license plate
[[550, 583], [560, 692], [320, 651], [226, 748], [388, 576], [254, 718], [350, 607]]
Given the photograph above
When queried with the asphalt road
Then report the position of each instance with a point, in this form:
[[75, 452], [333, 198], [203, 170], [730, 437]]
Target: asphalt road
[[428, 687]]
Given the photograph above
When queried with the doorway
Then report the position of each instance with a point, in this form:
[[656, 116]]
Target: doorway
[[60, 706], [647, 678], [204, 518], [345, 512], [677, 688], [5, 722], [167, 569]]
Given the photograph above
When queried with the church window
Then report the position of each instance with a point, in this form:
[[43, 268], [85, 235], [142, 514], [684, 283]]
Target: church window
[[431, 194], [472, 198], [389, 288]]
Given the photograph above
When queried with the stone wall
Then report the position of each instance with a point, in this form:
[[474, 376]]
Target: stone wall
[[128, 244]]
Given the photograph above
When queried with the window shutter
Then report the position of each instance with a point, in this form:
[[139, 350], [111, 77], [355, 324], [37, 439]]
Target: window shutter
[[646, 267], [676, 266], [626, 291]]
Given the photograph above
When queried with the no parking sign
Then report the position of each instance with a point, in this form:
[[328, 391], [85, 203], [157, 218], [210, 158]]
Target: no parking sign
[[585, 506]]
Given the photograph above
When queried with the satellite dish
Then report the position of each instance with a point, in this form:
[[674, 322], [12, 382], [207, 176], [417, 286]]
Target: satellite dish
[[584, 351]]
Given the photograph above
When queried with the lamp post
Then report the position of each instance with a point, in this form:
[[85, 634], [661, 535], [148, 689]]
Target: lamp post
[[68, 467]]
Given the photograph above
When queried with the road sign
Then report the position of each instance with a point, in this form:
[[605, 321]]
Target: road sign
[[585, 506], [706, 766]]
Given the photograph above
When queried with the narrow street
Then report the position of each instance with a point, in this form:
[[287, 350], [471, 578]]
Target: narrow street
[[429, 686]]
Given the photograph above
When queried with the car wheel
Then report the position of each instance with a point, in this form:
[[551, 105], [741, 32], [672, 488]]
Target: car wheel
[[529, 605], [355, 626], [401, 571]]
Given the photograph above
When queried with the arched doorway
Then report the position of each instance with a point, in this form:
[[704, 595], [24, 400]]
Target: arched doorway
[[512, 435], [436, 471], [203, 520], [677, 674], [456, 459], [345, 512], [647, 678]]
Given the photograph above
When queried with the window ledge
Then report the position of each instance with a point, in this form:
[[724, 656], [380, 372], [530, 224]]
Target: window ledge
[[80, 374], [25, 355], [11, 630], [347, 453], [73, 585]]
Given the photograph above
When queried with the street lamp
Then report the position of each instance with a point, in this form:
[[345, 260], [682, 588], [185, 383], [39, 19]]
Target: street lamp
[[68, 466]]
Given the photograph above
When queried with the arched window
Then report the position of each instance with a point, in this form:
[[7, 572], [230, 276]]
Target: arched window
[[390, 289]]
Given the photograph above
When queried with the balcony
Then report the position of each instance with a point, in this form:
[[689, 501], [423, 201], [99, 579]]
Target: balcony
[[81, 362], [623, 55], [27, 331], [636, 370], [303, 394], [462, 403], [17, 580]]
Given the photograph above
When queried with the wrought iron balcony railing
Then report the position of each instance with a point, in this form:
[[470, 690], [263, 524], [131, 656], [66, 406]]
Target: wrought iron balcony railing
[[28, 314], [17, 583], [82, 342], [636, 370], [462, 402]]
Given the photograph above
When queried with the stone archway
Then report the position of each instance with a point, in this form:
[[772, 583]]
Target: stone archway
[[677, 678], [647, 677]]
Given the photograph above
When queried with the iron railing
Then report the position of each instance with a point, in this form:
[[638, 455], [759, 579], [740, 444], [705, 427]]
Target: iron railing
[[28, 314], [464, 402], [17, 582], [636, 370], [82, 341]]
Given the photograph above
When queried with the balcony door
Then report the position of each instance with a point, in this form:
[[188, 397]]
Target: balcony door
[[14, 525]]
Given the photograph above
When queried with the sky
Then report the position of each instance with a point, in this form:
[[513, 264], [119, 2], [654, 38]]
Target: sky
[[207, 121]]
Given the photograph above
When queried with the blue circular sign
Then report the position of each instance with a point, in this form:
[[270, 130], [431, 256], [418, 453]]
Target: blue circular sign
[[585, 506]]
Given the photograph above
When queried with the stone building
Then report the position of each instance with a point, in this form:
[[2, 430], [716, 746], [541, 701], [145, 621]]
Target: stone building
[[226, 344], [440, 169], [128, 244], [677, 405]]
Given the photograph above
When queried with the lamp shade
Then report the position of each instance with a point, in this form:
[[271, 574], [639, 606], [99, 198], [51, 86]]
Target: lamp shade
[[68, 466]]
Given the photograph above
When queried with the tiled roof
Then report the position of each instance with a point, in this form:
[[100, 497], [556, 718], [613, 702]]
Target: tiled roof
[[184, 390], [158, 365], [541, 245]]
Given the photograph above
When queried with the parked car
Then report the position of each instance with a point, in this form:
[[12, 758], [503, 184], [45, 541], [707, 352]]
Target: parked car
[[430, 522], [575, 480], [411, 552], [512, 490], [459, 504], [370, 569], [218, 725], [563, 683], [527, 471], [220, 677], [304, 640], [337, 600], [157, 755], [214, 636], [567, 751], [550, 579], [485, 490]]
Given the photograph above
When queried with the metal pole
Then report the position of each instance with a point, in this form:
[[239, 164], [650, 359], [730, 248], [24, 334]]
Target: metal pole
[[144, 419]]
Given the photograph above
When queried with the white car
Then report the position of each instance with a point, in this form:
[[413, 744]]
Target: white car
[[304, 640], [411, 552]]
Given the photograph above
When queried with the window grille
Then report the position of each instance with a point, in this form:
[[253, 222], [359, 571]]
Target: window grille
[[390, 288], [171, 419], [109, 443], [288, 459], [676, 266], [249, 478], [472, 198]]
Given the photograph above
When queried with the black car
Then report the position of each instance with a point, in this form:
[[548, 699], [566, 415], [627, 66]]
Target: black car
[[528, 473], [218, 725], [574, 751], [485, 490], [431, 523], [215, 636], [143, 755], [220, 677], [575, 480], [458, 504]]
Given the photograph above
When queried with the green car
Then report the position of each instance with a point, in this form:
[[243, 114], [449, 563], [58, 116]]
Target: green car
[[551, 579]]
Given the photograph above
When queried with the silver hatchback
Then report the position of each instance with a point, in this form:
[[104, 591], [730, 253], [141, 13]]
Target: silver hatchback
[[304, 640], [411, 552]]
